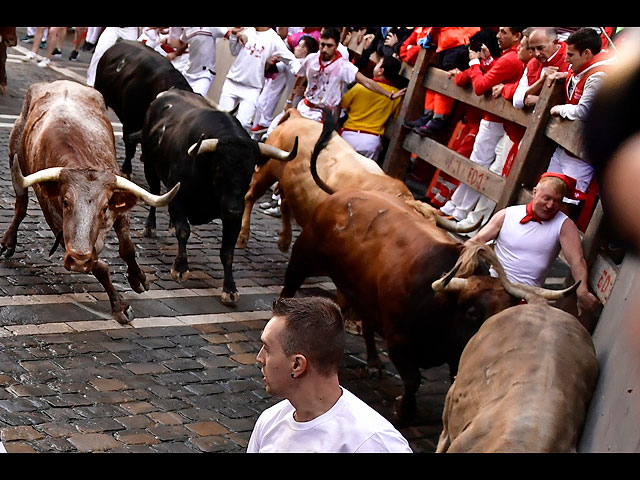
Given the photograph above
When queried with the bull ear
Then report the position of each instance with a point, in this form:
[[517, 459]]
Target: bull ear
[[122, 200]]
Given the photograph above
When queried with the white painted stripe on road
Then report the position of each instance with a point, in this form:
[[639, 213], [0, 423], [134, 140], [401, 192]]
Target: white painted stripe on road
[[85, 300]]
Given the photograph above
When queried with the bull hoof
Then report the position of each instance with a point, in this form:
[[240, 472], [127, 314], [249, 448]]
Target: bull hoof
[[8, 251], [139, 283], [125, 317], [149, 232], [375, 369], [230, 299], [180, 276], [243, 241], [284, 244], [3, 89], [405, 409]]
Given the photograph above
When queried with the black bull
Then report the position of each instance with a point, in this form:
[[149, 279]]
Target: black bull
[[130, 75], [185, 140]]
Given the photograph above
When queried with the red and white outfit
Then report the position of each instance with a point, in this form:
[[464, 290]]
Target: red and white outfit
[[527, 250], [200, 70], [326, 83], [506, 69], [581, 88], [245, 78]]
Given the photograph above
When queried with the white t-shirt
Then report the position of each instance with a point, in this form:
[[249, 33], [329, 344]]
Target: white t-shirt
[[327, 83], [350, 426], [202, 49], [527, 251], [248, 67]]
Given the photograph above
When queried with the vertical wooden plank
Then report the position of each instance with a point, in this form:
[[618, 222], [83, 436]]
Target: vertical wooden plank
[[397, 159]]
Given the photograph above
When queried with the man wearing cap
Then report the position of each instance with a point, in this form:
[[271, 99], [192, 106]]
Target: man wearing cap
[[529, 237]]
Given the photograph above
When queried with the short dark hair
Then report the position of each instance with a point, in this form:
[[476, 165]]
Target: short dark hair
[[585, 37], [391, 67], [310, 42], [313, 327], [519, 30], [331, 32]]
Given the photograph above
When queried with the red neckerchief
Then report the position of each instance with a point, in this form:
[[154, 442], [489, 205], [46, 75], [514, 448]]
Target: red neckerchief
[[530, 215], [322, 67], [383, 81]]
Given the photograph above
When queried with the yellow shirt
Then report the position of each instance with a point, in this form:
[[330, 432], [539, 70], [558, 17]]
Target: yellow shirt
[[368, 110]]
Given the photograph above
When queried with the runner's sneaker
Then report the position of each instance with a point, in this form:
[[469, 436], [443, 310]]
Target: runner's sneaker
[[270, 204], [74, 56], [56, 53], [44, 62], [258, 129], [28, 56], [274, 212]]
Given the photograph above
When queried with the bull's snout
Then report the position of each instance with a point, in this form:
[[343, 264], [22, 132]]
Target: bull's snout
[[79, 262]]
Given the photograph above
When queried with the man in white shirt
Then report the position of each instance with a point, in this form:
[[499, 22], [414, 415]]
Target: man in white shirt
[[253, 47], [529, 237], [328, 74], [302, 348]]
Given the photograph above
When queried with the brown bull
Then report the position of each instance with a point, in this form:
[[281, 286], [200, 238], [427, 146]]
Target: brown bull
[[8, 38], [63, 142], [338, 164], [384, 257], [524, 384]]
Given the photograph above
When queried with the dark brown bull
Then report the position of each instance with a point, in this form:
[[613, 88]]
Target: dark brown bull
[[8, 38], [63, 142], [387, 261]]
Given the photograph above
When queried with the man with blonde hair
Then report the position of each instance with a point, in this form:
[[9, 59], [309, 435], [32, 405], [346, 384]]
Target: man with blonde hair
[[529, 237]]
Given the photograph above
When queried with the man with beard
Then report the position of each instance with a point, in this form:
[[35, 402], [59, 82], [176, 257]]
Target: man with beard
[[328, 75]]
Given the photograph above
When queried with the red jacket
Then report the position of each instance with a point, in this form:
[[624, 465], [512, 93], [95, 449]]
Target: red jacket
[[534, 67], [409, 49], [506, 69]]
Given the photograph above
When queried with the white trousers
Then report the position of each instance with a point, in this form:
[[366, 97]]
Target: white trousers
[[485, 206], [270, 96], [365, 144], [562, 162], [108, 38], [309, 112], [465, 198], [200, 84], [244, 97]]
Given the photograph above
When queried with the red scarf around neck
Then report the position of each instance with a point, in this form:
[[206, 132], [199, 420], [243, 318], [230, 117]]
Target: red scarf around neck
[[530, 215]]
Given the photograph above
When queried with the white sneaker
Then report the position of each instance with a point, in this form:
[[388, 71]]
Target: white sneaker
[[28, 56], [44, 62], [274, 212]]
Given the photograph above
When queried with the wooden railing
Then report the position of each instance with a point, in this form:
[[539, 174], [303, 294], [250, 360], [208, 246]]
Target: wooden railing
[[542, 135]]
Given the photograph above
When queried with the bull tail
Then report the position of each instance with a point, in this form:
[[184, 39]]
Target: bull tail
[[328, 129], [134, 137]]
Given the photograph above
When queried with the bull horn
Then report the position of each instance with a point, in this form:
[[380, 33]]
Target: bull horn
[[452, 226], [203, 146], [444, 282], [274, 152], [45, 175], [530, 292], [147, 197]]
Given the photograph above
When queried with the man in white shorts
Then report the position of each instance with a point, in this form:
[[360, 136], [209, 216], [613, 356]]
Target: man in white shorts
[[328, 74], [252, 47], [107, 39], [529, 237], [302, 348]]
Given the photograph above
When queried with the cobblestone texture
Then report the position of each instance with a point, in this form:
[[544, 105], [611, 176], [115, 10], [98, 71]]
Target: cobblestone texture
[[69, 383]]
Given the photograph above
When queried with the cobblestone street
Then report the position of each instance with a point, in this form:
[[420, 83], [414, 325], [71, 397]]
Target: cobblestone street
[[183, 376]]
